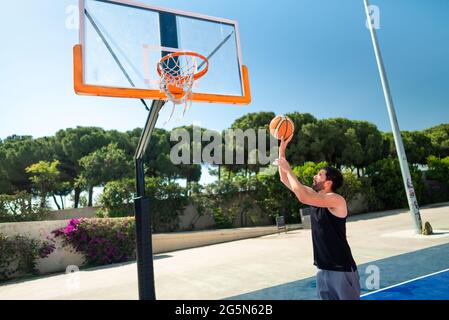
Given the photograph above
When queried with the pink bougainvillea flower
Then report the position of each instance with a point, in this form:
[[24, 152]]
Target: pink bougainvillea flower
[[71, 226]]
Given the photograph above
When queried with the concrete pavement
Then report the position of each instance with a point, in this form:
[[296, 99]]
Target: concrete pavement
[[269, 267]]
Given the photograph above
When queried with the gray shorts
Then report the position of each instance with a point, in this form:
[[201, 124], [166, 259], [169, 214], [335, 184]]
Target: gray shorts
[[336, 285]]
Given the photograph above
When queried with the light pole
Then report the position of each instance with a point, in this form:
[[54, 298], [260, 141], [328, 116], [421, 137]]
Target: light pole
[[408, 184]]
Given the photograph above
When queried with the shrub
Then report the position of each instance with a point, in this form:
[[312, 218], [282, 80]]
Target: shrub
[[228, 199], [351, 186], [216, 200], [167, 201], [386, 179], [19, 207], [265, 190], [436, 191], [19, 255], [224, 219], [101, 241], [276, 200], [437, 185], [369, 194], [117, 199], [306, 172]]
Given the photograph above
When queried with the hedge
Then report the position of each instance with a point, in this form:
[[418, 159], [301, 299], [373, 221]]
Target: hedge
[[101, 241], [19, 207], [19, 255]]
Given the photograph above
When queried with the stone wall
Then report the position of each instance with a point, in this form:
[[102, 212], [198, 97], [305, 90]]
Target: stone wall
[[66, 214], [62, 258], [189, 220], [40, 230]]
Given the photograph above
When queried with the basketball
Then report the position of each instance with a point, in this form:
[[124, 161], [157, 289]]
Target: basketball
[[282, 127]]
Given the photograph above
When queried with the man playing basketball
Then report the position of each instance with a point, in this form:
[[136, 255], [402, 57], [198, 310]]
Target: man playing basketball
[[337, 277]]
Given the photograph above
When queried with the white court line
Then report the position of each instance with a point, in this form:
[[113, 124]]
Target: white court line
[[402, 283]]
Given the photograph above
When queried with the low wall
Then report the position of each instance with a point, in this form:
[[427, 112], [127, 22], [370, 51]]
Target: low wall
[[68, 214], [40, 230], [164, 242], [190, 220], [358, 205]]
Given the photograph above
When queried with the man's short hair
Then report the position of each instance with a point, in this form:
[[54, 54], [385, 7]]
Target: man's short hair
[[334, 175]]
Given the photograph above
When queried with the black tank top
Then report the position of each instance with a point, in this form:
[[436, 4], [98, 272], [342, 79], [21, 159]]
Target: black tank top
[[331, 250]]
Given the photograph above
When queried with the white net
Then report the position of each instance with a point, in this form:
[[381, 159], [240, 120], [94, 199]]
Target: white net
[[178, 77]]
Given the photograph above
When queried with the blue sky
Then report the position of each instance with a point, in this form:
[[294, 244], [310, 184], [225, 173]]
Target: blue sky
[[303, 55]]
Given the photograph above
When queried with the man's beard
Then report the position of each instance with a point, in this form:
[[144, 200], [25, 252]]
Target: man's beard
[[318, 186]]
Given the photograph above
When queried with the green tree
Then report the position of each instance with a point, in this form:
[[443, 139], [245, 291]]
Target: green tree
[[190, 172], [18, 153], [306, 172], [351, 186], [20, 207], [167, 203], [70, 145], [44, 177], [126, 141], [157, 157], [438, 179], [253, 121], [438, 169], [275, 199], [103, 165], [386, 179], [5, 186], [371, 142], [417, 145], [117, 199], [298, 151], [353, 154], [439, 135], [340, 142], [326, 140], [62, 190]]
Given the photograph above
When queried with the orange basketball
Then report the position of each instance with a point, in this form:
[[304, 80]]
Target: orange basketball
[[282, 127]]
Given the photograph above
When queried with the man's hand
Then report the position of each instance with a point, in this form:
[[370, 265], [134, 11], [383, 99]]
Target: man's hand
[[282, 173], [283, 146]]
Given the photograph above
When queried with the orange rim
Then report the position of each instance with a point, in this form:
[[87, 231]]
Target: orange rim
[[185, 53]]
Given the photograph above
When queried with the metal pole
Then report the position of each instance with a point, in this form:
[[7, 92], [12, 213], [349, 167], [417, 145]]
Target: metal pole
[[145, 271], [141, 202], [408, 184]]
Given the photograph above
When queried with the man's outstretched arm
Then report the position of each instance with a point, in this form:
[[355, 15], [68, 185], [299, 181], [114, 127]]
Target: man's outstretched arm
[[306, 194], [282, 173]]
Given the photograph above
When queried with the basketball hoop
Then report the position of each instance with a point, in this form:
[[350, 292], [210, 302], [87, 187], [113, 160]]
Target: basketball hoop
[[178, 72]]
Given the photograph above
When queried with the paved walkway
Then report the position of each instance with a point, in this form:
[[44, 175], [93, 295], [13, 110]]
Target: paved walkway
[[270, 267]]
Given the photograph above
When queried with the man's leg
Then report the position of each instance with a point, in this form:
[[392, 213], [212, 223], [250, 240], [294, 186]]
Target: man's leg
[[347, 285], [324, 287], [351, 292], [336, 285]]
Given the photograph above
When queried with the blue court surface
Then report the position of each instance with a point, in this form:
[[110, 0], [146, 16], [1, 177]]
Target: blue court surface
[[430, 287], [417, 275]]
